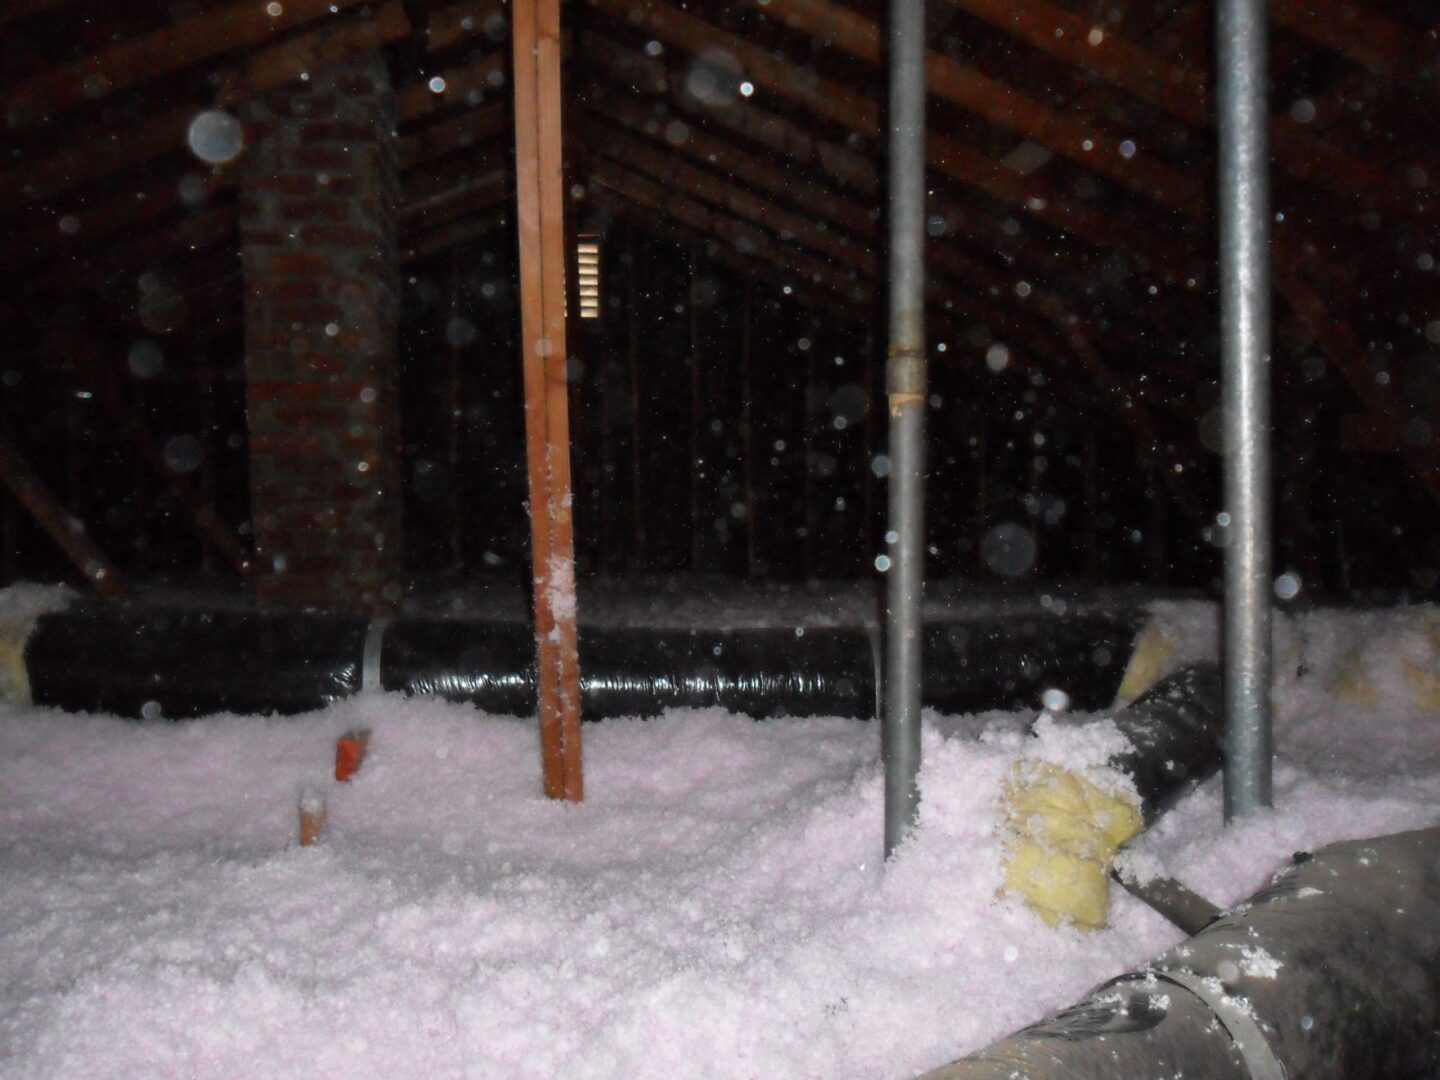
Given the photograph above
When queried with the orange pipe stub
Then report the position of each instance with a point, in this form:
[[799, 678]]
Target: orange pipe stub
[[312, 817], [350, 753]]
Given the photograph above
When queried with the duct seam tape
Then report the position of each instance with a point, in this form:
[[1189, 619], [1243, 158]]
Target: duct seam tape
[[1235, 1016], [370, 661]]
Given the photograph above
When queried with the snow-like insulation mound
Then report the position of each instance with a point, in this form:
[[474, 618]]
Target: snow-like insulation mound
[[716, 908]]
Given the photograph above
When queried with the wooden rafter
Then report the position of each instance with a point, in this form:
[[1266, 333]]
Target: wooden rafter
[[183, 44], [1030, 196], [836, 167], [164, 133], [1185, 94], [134, 430], [985, 294], [950, 260], [1352, 30], [850, 31], [460, 24], [59, 524], [687, 210], [1070, 136], [663, 221], [462, 230], [299, 56], [661, 193], [1390, 412]]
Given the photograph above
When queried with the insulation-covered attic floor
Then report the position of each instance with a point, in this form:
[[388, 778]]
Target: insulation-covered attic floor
[[716, 907]]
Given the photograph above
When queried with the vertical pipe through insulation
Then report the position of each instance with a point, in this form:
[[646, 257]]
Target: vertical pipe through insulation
[[1245, 359], [905, 389]]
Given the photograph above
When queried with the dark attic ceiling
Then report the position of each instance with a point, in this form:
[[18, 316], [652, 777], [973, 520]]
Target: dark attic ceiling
[[1071, 164]]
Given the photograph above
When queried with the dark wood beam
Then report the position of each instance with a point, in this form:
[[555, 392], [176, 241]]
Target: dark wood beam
[[58, 523], [1391, 412], [298, 56], [1364, 35], [183, 44], [1068, 135], [1185, 94], [1030, 196]]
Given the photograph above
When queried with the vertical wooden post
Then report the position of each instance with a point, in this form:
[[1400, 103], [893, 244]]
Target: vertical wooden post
[[982, 487], [1157, 524], [539, 182], [452, 422], [1091, 481], [205, 392], [747, 434], [867, 516], [604, 356], [1037, 497], [807, 444], [10, 524], [697, 466], [632, 341]]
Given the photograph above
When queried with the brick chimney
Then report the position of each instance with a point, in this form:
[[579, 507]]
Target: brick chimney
[[318, 209]]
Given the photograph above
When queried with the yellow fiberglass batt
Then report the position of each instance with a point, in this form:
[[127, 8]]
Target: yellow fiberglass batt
[[1065, 831]]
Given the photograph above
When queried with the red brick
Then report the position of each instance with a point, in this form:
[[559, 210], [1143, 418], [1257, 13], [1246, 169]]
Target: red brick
[[294, 263], [318, 157], [349, 236], [316, 210], [313, 314], [287, 183], [356, 85], [315, 132], [289, 288], [315, 417]]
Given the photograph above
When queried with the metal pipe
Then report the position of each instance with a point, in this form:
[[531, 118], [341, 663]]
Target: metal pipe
[[905, 388], [1245, 357]]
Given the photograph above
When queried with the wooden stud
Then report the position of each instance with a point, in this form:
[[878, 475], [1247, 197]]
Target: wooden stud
[[539, 171], [747, 422], [632, 334], [59, 524], [697, 465], [807, 453], [132, 428]]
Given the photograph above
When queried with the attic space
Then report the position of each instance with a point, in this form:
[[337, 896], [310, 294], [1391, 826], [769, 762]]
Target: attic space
[[262, 295]]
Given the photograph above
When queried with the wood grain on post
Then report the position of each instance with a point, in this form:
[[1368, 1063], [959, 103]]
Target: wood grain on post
[[539, 175]]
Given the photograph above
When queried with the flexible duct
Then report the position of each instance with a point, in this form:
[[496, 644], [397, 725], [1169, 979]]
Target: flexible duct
[[135, 660], [1332, 972]]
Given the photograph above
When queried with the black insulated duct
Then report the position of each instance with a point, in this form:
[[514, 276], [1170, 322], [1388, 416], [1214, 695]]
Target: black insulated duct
[[1332, 972], [1176, 731], [136, 660]]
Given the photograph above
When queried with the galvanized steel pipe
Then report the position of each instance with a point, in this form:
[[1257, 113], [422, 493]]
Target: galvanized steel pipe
[[905, 388], [1244, 204]]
